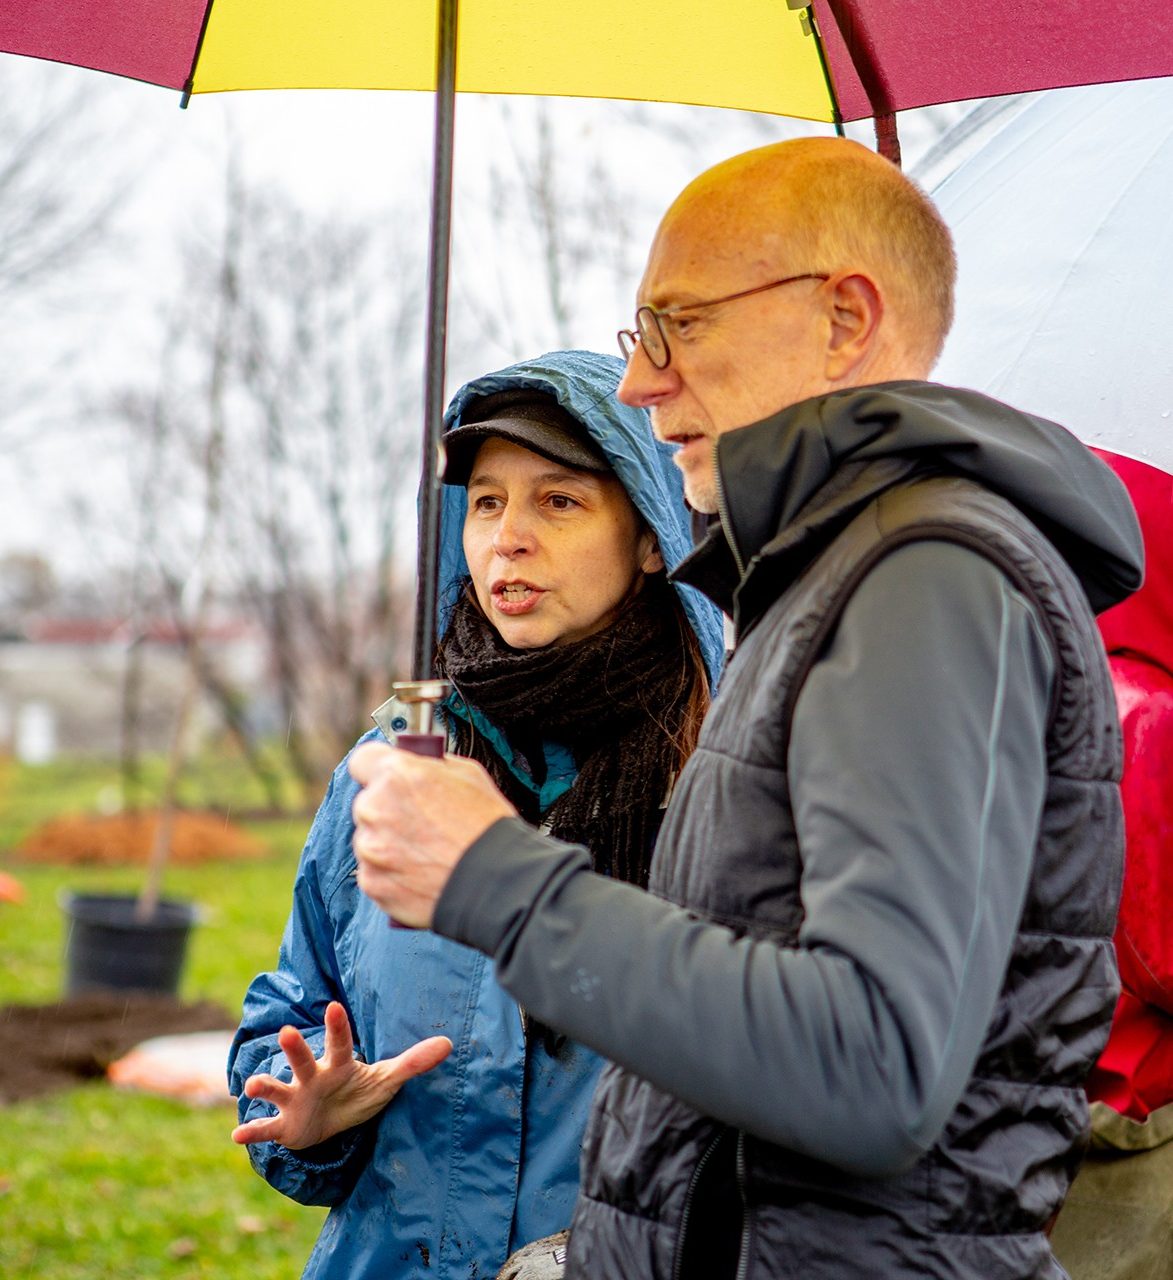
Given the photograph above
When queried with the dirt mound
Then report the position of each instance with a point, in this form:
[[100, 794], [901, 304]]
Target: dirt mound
[[48, 1047], [128, 837]]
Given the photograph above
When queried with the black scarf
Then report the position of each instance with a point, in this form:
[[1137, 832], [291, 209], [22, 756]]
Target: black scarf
[[616, 699]]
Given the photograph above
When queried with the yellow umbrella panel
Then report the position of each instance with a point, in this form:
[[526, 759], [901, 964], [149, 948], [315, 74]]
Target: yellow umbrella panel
[[752, 55]]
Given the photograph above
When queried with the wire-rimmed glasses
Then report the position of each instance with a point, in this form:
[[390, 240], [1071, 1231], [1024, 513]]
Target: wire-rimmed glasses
[[649, 332]]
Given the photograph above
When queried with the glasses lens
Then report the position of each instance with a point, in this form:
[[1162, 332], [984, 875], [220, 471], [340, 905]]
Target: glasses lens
[[626, 344], [652, 337]]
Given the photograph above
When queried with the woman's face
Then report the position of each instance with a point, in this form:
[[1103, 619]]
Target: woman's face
[[553, 551]]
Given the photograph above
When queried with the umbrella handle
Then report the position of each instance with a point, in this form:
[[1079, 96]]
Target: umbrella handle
[[422, 744], [421, 697]]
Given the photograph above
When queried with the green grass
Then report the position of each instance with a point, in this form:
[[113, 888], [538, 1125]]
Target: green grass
[[104, 1184], [94, 1182]]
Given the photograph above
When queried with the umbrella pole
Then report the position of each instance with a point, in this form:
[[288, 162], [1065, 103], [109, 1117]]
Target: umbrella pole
[[439, 251], [855, 36], [887, 137], [422, 692], [810, 28]]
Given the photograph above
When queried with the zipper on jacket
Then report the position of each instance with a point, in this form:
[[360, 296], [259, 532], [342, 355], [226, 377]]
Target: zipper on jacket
[[726, 522], [746, 1221], [689, 1195]]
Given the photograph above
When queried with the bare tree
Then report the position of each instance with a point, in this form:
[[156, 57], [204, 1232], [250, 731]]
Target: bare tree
[[286, 424], [329, 369], [49, 220], [57, 212], [544, 231]]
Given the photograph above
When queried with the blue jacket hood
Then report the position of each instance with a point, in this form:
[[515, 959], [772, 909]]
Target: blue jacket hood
[[584, 382]]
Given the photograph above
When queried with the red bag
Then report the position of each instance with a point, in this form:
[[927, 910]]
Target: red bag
[[1134, 1075]]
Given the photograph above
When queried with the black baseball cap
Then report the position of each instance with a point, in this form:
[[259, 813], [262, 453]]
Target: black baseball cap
[[525, 417]]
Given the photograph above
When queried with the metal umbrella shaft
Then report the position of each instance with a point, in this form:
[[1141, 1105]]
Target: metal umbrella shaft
[[421, 693], [439, 252]]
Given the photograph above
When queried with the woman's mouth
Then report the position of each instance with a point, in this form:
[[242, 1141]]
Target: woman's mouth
[[514, 598]]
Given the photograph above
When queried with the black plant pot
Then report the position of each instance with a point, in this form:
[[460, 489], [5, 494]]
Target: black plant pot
[[107, 948]]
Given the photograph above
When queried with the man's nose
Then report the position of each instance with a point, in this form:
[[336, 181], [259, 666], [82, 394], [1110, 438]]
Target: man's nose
[[514, 534], [643, 385]]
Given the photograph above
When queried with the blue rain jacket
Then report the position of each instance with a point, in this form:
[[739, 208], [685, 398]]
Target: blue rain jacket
[[479, 1156]]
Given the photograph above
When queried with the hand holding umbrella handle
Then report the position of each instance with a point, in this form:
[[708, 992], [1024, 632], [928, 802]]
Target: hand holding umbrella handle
[[420, 697]]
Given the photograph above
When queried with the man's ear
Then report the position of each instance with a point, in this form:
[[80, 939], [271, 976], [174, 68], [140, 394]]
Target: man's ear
[[856, 311]]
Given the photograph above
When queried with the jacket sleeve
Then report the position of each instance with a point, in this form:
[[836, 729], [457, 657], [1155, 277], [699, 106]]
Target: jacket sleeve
[[296, 994], [917, 776]]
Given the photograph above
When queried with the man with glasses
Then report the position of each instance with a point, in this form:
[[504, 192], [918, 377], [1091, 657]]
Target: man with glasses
[[850, 1023]]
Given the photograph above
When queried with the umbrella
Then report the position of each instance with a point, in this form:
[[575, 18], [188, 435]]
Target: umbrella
[[1065, 288], [832, 60], [880, 56]]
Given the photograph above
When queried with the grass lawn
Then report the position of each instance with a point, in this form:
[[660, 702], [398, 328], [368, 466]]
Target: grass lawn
[[96, 1183], [105, 1184]]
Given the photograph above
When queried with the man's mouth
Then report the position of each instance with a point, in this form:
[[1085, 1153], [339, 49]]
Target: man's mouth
[[680, 436], [689, 447]]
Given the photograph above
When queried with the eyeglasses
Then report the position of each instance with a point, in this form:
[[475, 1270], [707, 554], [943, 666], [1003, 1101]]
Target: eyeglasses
[[649, 332]]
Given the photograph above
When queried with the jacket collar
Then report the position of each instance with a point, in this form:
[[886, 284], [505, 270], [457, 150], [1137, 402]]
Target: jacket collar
[[784, 494], [789, 483]]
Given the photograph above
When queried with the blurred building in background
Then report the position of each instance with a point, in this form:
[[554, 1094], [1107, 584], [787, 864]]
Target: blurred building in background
[[69, 685]]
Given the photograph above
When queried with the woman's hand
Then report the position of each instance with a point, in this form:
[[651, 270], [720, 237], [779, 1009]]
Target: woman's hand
[[335, 1092]]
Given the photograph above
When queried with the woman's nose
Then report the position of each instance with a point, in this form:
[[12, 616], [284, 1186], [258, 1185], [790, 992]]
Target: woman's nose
[[514, 534]]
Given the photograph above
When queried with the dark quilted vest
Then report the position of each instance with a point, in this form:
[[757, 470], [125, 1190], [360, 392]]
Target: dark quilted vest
[[728, 853]]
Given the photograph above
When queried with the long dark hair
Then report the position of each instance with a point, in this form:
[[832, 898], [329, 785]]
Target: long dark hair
[[627, 701]]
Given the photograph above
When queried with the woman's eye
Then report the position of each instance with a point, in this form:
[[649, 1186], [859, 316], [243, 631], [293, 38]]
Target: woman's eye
[[486, 503], [561, 501]]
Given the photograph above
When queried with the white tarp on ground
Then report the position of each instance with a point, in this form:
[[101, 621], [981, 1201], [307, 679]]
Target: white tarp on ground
[[191, 1067]]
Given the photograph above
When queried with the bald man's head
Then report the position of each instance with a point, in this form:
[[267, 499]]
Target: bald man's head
[[794, 271], [829, 205]]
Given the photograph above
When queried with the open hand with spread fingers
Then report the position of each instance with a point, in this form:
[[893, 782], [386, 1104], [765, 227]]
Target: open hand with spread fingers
[[335, 1092]]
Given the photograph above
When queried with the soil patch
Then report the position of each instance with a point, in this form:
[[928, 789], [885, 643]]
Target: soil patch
[[127, 838], [48, 1047]]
